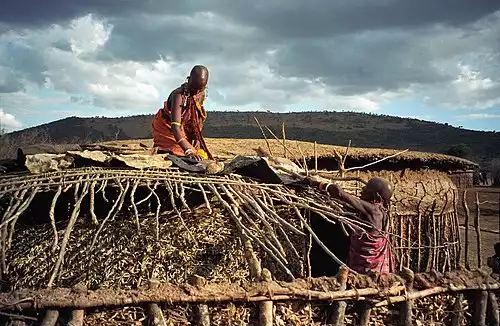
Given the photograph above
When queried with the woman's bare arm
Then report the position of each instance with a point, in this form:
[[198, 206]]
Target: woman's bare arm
[[176, 118], [368, 212], [364, 207]]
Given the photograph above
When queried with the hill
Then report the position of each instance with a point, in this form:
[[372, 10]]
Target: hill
[[336, 128]]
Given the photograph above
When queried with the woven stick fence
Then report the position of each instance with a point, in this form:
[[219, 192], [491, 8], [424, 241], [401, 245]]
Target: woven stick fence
[[250, 205]]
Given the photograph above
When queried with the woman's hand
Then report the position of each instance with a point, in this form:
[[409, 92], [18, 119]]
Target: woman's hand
[[192, 154]]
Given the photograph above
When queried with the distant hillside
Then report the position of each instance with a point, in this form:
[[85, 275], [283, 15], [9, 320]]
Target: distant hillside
[[337, 128]]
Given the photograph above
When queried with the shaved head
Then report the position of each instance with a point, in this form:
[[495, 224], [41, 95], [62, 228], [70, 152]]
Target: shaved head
[[377, 189], [198, 78]]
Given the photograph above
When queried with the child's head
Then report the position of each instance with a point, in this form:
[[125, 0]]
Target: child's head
[[497, 248]]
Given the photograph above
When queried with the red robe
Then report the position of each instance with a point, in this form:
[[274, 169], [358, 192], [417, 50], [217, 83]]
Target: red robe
[[371, 250], [192, 120]]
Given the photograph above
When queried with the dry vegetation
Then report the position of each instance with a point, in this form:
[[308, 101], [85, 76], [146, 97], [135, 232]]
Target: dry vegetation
[[337, 128]]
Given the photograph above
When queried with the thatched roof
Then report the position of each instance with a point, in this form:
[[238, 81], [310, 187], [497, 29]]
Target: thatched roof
[[229, 147]]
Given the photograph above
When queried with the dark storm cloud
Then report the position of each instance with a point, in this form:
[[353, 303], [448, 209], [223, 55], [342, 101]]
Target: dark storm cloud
[[147, 37], [357, 64], [282, 17], [352, 46], [34, 12], [322, 18]]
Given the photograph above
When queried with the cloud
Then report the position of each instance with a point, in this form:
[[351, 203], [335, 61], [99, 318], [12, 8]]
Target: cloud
[[8, 121], [127, 56], [479, 116]]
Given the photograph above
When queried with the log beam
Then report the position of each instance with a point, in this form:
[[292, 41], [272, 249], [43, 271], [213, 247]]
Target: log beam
[[58, 298]]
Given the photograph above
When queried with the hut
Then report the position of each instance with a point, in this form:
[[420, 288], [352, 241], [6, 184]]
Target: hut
[[424, 220], [81, 238]]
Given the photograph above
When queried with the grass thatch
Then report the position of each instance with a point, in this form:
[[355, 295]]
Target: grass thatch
[[228, 147]]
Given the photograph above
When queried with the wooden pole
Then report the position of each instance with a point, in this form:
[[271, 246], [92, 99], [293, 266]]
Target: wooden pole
[[467, 216], [201, 312], [480, 305], [477, 226], [458, 314], [257, 273], [365, 310], [406, 307], [316, 160], [77, 315], [457, 223], [76, 318], [266, 307], [50, 318], [339, 307], [494, 318], [155, 314], [284, 139]]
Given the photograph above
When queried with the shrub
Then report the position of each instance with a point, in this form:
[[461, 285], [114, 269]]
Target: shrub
[[459, 150]]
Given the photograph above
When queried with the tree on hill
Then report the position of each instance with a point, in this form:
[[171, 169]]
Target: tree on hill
[[458, 150]]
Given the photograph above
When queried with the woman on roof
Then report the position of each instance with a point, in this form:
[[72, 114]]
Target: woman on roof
[[370, 250], [178, 125]]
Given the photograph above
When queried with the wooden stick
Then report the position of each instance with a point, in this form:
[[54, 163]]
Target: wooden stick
[[477, 226], [457, 314], [467, 216], [480, 303], [50, 318], [284, 139], [494, 318], [378, 161], [290, 152], [304, 161], [67, 233], [419, 235], [315, 158], [434, 291], [265, 138], [339, 307], [346, 152], [155, 313]]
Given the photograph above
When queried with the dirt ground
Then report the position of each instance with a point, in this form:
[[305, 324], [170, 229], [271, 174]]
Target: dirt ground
[[489, 220]]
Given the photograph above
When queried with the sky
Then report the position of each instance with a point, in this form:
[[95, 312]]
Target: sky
[[430, 60]]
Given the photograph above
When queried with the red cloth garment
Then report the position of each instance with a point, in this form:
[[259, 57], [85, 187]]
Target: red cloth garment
[[372, 250], [192, 119]]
